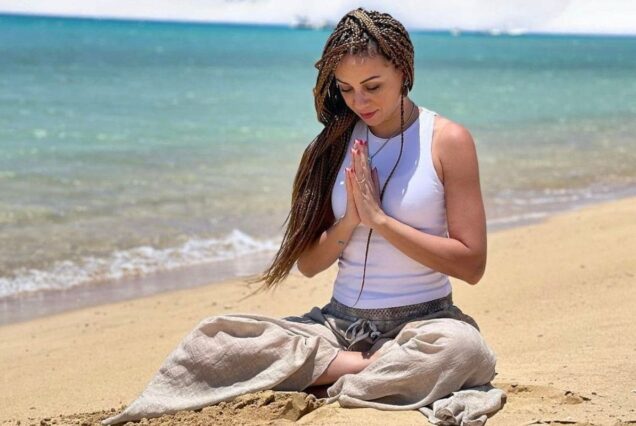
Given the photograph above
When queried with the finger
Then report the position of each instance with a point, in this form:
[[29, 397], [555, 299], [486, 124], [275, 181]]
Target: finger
[[376, 179], [364, 152], [348, 181], [360, 169], [356, 153], [356, 190], [364, 158], [352, 158]]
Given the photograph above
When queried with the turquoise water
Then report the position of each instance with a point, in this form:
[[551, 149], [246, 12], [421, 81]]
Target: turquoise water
[[128, 148]]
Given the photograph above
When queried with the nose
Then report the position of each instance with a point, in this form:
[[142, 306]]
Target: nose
[[359, 99]]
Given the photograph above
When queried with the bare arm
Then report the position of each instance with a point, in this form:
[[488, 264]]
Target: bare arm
[[324, 252], [463, 253]]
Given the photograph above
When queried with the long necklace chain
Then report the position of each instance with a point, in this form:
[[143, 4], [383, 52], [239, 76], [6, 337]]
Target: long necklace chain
[[366, 253], [390, 137]]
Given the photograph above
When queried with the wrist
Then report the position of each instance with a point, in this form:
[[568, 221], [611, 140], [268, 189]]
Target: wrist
[[379, 220], [348, 223]]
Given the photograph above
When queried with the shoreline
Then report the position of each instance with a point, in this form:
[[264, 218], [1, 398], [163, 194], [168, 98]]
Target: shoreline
[[554, 296], [43, 303]]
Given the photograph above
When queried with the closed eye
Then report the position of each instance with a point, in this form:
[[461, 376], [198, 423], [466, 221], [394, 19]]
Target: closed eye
[[370, 89]]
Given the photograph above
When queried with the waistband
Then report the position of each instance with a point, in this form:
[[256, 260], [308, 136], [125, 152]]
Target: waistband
[[394, 313]]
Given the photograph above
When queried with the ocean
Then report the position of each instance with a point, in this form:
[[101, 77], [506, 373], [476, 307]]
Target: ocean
[[138, 157]]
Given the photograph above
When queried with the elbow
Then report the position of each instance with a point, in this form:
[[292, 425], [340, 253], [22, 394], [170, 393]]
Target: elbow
[[475, 270], [307, 274], [474, 278], [303, 269]]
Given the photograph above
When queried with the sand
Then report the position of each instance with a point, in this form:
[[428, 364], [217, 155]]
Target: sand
[[556, 305]]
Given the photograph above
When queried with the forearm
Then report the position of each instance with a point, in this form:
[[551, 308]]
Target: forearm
[[446, 255], [327, 249]]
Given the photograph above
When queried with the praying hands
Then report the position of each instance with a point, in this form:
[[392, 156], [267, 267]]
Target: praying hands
[[363, 187]]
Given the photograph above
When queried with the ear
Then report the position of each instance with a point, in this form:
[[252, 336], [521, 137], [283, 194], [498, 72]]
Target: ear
[[405, 84]]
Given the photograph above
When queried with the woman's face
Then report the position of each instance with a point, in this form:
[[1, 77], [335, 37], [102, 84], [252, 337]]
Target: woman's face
[[371, 87]]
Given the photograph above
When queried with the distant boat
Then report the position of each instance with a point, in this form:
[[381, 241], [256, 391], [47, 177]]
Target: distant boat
[[455, 32], [303, 22], [507, 31], [516, 31]]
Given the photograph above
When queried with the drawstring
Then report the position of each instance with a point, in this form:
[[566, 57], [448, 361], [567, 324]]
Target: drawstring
[[358, 332]]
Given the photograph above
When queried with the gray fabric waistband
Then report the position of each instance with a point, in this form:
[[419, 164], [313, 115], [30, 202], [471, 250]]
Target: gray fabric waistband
[[395, 313]]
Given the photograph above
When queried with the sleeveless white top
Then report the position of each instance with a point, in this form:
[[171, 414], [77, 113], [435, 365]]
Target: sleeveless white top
[[414, 196]]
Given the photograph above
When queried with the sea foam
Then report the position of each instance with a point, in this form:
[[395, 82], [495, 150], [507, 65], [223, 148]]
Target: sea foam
[[137, 261]]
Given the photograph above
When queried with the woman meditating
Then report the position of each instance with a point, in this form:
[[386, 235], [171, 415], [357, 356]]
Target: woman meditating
[[390, 190]]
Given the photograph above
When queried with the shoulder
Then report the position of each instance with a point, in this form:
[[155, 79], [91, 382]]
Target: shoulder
[[453, 146], [452, 136]]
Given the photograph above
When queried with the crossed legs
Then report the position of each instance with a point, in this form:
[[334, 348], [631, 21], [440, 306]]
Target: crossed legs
[[349, 362]]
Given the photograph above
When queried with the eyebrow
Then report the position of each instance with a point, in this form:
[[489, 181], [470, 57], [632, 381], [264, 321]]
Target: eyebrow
[[363, 81]]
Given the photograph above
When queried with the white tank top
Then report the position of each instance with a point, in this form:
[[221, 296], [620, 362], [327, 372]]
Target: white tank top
[[414, 196]]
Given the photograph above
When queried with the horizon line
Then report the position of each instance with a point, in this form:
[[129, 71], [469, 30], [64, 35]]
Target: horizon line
[[458, 31]]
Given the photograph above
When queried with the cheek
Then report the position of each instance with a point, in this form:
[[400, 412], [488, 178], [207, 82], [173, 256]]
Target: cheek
[[348, 99]]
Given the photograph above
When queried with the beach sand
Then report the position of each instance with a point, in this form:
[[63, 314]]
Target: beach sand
[[556, 305]]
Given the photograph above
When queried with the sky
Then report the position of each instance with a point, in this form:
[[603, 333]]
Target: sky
[[616, 17]]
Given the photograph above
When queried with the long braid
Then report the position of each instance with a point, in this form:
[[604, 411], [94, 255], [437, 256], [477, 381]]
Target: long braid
[[358, 32]]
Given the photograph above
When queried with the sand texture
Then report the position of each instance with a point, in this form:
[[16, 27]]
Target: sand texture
[[557, 305]]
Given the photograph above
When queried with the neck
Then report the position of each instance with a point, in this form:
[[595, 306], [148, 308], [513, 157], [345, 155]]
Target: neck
[[392, 127]]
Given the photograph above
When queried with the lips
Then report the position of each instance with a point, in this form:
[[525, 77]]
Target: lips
[[368, 115]]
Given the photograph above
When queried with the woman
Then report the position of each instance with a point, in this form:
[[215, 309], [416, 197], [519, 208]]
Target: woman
[[361, 97], [391, 190]]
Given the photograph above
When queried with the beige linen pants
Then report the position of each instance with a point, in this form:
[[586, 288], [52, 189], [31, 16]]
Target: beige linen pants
[[434, 349]]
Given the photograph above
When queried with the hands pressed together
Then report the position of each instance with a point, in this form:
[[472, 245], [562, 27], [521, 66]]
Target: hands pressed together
[[363, 188]]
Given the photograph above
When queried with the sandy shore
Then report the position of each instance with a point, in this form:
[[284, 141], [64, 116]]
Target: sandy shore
[[556, 305]]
